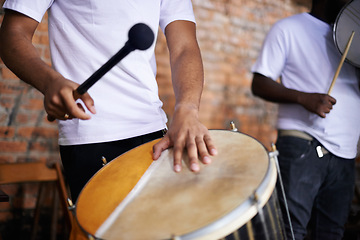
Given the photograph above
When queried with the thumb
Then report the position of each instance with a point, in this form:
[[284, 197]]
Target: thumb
[[159, 147]]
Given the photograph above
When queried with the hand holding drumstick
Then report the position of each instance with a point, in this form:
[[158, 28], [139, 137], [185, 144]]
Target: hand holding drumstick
[[141, 37], [321, 104]]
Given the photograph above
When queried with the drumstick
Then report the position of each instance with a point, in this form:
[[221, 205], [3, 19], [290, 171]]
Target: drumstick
[[141, 37], [341, 62]]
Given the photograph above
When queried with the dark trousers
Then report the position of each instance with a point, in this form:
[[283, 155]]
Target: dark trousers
[[317, 188], [81, 162]]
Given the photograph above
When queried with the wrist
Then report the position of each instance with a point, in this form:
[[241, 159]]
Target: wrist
[[186, 107]]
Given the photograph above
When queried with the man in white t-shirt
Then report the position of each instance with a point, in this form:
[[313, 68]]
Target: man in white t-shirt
[[317, 138], [83, 35]]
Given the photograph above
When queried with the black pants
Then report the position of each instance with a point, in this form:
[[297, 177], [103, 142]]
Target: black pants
[[317, 188], [81, 162]]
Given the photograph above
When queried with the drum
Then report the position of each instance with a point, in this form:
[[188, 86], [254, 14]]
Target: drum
[[134, 197], [348, 21]]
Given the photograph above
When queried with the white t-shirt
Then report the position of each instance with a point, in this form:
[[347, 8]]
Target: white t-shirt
[[300, 49], [83, 35]]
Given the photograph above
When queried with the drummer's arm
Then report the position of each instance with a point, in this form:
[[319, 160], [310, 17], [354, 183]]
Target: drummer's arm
[[21, 57], [185, 130], [270, 90], [19, 54]]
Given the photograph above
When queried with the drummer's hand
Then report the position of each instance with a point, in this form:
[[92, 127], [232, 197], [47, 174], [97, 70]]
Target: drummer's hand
[[186, 131], [317, 103], [60, 104]]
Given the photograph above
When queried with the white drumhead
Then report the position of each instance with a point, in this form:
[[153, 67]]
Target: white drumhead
[[348, 20]]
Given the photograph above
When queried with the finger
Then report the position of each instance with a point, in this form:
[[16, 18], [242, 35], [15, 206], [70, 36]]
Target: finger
[[332, 100], [210, 145], [74, 110], [64, 116], [161, 146], [89, 102], [203, 151], [178, 151], [321, 114], [56, 112], [53, 107], [192, 152]]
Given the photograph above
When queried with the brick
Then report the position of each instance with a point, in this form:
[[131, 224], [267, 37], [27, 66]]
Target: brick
[[6, 158], [7, 132], [26, 118], [39, 146], [40, 38], [47, 56], [6, 146], [7, 74], [7, 101], [11, 87], [42, 132], [27, 158], [43, 27], [33, 104]]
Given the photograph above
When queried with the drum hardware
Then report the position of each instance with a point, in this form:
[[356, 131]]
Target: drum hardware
[[71, 206], [255, 199], [249, 228], [232, 126], [103, 159], [348, 21], [273, 155]]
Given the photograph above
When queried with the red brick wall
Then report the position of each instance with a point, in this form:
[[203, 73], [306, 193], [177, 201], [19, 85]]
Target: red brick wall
[[230, 34]]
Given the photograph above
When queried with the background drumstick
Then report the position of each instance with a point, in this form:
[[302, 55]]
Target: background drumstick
[[341, 62]]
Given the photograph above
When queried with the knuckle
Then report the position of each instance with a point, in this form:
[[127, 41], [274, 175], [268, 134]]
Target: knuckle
[[191, 145]]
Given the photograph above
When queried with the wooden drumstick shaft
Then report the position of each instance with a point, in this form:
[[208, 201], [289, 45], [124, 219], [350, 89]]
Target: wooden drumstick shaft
[[341, 62]]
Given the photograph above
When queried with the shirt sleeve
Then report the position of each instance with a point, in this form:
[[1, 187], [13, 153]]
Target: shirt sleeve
[[172, 10], [272, 57], [34, 9]]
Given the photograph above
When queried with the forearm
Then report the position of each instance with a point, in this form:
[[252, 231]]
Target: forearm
[[187, 78], [186, 63], [19, 54], [270, 90]]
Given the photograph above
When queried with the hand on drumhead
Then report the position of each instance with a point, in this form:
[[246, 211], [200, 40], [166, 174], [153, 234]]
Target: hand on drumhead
[[186, 132], [59, 101]]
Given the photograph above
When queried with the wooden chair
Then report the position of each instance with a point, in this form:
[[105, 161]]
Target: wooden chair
[[38, 172]]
